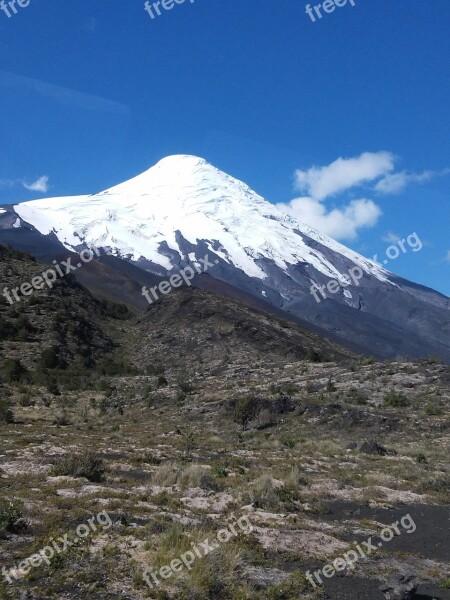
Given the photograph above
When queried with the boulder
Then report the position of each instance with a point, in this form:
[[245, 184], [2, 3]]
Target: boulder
[[400, 587]]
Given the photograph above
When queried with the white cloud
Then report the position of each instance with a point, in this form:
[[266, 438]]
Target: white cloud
[[395, 183], [447, 258], [338, 223], [343, 174], [390, 238], [374, 169], [40, 185]]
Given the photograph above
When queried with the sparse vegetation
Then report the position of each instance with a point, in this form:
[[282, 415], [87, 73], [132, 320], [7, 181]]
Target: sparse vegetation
[[86, 465], [6, 412], [234, 429], [11, 516], [396, 399]]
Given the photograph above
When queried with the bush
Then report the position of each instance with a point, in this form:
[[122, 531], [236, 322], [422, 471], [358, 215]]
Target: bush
[[184, 385], [114, 367], [10, 516], [220, 471], [289, 443], [312, 355], [6, 413], [331, 387], [7, 330], [13, 371], [86, 465], [194, 475], [162, 381], [61, 419], [49, 359], [155, 369], [52, 387], [356, 397], [421, 459], [289, 388], [295, 587], [246, 410], [396, 399], [445, 583], [433, 410]]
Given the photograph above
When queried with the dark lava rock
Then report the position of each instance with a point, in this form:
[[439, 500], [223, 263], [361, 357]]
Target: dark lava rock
[[121, 519], [263, 578], [399, 587], [372, 447]]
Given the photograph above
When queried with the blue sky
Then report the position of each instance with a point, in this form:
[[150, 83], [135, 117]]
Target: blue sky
[[94, 92]]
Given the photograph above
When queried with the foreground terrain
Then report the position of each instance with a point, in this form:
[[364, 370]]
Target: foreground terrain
[[165, 428]]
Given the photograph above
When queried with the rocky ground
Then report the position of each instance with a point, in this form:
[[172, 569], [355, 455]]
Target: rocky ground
[[173, 464], [282, 450]]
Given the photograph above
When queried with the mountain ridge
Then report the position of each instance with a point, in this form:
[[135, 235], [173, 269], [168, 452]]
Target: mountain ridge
[[183, 208]]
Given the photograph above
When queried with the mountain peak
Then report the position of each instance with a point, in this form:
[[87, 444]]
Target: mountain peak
[[172, 172], [185, 197], [178, 159]]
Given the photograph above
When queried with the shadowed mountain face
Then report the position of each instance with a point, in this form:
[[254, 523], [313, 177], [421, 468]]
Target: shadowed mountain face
[[192, 325], [184, 209], [53, 327], [189, 327]]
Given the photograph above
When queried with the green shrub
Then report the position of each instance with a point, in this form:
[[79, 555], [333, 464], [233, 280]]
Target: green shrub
[[433, 410], [356, 397], [114, 367], [331, 387], [289, 443], [312, 355], [289, 388], [52, 387], [7, 330], [13, 371], [396, 399], [6, 413], [445, 583], [49, 358], [162, 381], [10, 516], [86, 465], [26, 400], [219, 471], [245, 410], [61, 419], [184, 385], [295, 587], [155, 369]]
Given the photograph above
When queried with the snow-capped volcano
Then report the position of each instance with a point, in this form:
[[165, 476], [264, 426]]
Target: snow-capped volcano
[[188, 196], [183, 208]]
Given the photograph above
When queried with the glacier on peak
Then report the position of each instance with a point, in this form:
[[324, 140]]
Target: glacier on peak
[[184, 194]]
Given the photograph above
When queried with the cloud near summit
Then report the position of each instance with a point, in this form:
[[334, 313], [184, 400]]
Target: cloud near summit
[[343, 174], [374, 170], [321, 183]]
